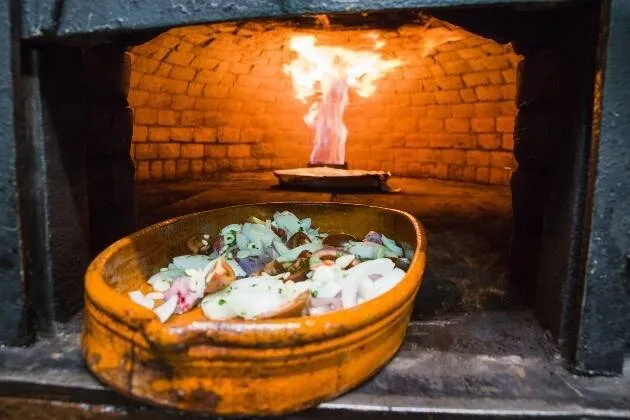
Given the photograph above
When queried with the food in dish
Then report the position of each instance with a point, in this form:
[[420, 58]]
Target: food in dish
[[276, 268]]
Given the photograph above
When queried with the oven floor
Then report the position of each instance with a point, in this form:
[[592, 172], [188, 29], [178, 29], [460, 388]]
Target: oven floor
[[426, 199]]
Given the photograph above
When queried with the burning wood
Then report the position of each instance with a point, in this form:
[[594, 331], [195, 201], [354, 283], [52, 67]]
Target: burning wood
[[325, 178], [324, 75]]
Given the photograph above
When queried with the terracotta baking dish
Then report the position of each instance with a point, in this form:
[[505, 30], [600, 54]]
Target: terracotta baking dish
[[237, 366]]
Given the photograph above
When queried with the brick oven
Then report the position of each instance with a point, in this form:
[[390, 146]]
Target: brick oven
[[211, 99], [504, 126]]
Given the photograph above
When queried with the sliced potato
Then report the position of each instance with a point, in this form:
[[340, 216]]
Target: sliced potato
[[220, 276], [293, 308]]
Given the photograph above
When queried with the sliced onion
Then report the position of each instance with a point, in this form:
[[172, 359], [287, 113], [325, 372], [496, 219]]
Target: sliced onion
[[295, 252], [314, 234], [305, 223], [387, 282], [323, 274], [141, 299], [292, 289], [374, 237], [265, 283], [344, 261], [293, 308], [252, 264], [369, 250], [287, 221], [162, 280], [155, 296], [256, 220], [363, 250], [233, 228], [247, 231], [237, 268], [349, 289], [380, 266], [350, 285], [319, 301], [165, 310], [391, 246], [241, 241], [242, 254], [261, 233], [249, 304], [367, 290], [168, 273], [328, 290], [184, 262], [215, 307], [280, 247]]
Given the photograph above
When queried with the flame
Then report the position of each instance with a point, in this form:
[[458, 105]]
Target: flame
[[324, 74]]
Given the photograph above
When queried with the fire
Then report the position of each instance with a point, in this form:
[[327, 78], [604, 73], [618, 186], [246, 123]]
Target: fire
[[325, 74]]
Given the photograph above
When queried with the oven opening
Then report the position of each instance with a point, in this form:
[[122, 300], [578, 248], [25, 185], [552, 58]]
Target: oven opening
[[479, 121], [416, 113]]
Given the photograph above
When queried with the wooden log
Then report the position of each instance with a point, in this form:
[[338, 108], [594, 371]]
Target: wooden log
[[333, 179]]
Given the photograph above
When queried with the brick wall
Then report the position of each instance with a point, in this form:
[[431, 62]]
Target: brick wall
[[214, 98]]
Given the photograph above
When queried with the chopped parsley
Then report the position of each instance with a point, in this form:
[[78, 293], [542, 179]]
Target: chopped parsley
[[279, 290], [221, 301], [314, 293]]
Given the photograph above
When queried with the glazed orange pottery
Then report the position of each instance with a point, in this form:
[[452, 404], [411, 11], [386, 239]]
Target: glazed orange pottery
[[246, 367]]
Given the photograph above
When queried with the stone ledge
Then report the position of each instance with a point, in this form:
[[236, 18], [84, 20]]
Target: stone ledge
[[486, 364]]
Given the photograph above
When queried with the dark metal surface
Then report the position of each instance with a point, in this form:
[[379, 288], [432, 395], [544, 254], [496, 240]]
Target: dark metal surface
[[606, 299], [495, 363], [63, 18], [110, 169], [13, 304], [58, 209], [552, 137], [552, 141], [76, 142]]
